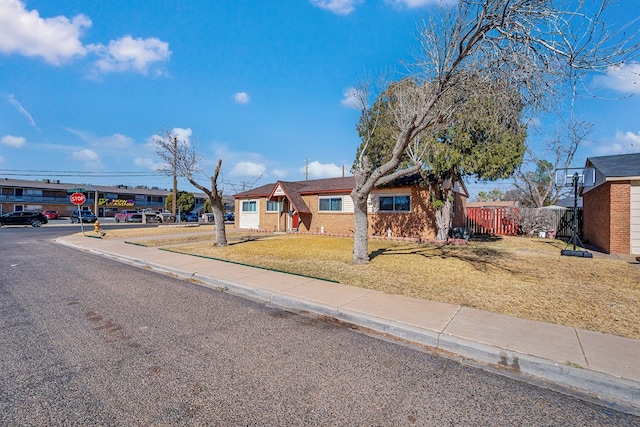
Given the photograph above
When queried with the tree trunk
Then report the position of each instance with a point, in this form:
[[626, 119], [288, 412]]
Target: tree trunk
[[361, 235], [215, 197], [443, 220], [218, 217]]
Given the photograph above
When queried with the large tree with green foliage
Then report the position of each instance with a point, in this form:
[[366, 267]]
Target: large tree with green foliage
[[483, 137], [533, 46], [186, 202]]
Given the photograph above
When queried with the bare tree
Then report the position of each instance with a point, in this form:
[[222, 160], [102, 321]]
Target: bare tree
[[535, 46], [186, 163], [537, 186]]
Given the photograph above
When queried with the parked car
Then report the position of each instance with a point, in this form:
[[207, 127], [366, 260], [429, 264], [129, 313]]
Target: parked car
[[137, 217], [87, 216], [51, 214], [35, 219], [229, 216], [189, 217], [124, 214]]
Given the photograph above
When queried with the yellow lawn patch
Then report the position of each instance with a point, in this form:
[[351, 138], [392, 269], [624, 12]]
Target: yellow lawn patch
[[517, 276]]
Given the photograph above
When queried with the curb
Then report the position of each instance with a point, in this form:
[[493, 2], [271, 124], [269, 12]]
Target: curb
[[599, 388]]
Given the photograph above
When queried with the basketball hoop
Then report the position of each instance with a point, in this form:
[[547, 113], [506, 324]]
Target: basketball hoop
[[586, 177], [575, 177]]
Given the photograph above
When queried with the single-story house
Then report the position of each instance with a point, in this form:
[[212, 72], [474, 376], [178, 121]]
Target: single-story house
[[612, 205], [325, 206]]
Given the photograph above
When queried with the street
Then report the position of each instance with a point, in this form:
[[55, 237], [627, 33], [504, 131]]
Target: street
[[89, 341]]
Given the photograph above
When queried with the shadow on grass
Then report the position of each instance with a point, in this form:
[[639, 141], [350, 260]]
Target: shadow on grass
[[246, 239], [480, 258]]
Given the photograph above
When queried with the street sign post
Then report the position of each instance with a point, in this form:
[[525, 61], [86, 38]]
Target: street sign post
[[78, 199]]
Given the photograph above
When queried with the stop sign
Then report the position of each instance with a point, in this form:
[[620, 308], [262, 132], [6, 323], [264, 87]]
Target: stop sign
[[78, 198]]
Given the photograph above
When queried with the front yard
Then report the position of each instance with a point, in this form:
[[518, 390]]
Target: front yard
[[517, 276]]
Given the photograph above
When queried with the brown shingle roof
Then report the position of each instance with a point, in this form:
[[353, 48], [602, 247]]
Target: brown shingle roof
[[315, 186]]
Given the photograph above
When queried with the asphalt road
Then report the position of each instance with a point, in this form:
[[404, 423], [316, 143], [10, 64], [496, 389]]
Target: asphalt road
[[85, 340]]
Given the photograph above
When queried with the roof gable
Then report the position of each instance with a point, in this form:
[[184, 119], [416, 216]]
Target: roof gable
[[618, 166]]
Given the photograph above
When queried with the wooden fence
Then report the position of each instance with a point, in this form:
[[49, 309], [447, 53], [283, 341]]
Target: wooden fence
[[491, 220], [505, 220]]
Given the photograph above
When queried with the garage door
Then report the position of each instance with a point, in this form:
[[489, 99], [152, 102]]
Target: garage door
[[635, 218], [249, 214]]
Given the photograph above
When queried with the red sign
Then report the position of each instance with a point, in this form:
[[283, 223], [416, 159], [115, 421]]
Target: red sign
[[78, 198]]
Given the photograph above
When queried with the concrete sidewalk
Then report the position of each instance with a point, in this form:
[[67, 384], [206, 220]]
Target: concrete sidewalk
[[604, 369]]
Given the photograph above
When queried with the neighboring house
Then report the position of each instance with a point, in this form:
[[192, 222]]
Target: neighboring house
[[612, 205], [325, 206]]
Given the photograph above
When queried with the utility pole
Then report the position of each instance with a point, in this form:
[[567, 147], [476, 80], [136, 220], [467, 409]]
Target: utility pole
[[175, 176]]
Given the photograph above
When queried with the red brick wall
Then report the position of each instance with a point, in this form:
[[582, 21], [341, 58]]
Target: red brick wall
[[607, 217], [621, 217], [419, 223]]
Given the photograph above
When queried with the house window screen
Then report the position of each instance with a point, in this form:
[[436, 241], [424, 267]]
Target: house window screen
[[249, 206], [273, 206], [330, 204], [395, 204]]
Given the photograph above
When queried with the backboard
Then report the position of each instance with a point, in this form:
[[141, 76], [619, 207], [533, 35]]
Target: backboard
[[586, 177]]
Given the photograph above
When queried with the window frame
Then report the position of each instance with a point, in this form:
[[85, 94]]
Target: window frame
[[395, 205], [253, 203], [331, 200], [270, 204]]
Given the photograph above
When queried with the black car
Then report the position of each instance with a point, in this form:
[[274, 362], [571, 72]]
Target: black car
[[229, 216], [35, 219], [87, 216], [189, 217]]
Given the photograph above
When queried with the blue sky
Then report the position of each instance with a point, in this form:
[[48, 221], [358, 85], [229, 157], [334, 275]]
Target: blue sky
[[262, 84]]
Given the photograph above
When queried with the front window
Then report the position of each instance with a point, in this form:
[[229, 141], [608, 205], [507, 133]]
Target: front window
[[330, 204], [249, 206], [395, 204], [273, 206]]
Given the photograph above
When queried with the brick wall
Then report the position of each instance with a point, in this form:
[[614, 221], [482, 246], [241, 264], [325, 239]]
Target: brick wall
[[621, 217], [607, 217], [419, 223]]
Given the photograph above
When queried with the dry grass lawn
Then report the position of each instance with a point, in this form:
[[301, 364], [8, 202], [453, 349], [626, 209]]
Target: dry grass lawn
[[517, 276]]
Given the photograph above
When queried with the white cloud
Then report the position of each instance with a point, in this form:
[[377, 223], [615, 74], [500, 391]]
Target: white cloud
[[421, 3], [183, 134], [88, 158], [148, 163], [127, 54], [279, 173], [117, 140], [351, 99], [250, 169], [85, 155], [241, 98], [339, 7], [26, 33], [623, 143], [13, 141], [319, 170], [624, 78], [13, 101]]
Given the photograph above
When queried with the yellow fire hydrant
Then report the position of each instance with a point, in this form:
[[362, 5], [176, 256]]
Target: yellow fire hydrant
[[96, 226]]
